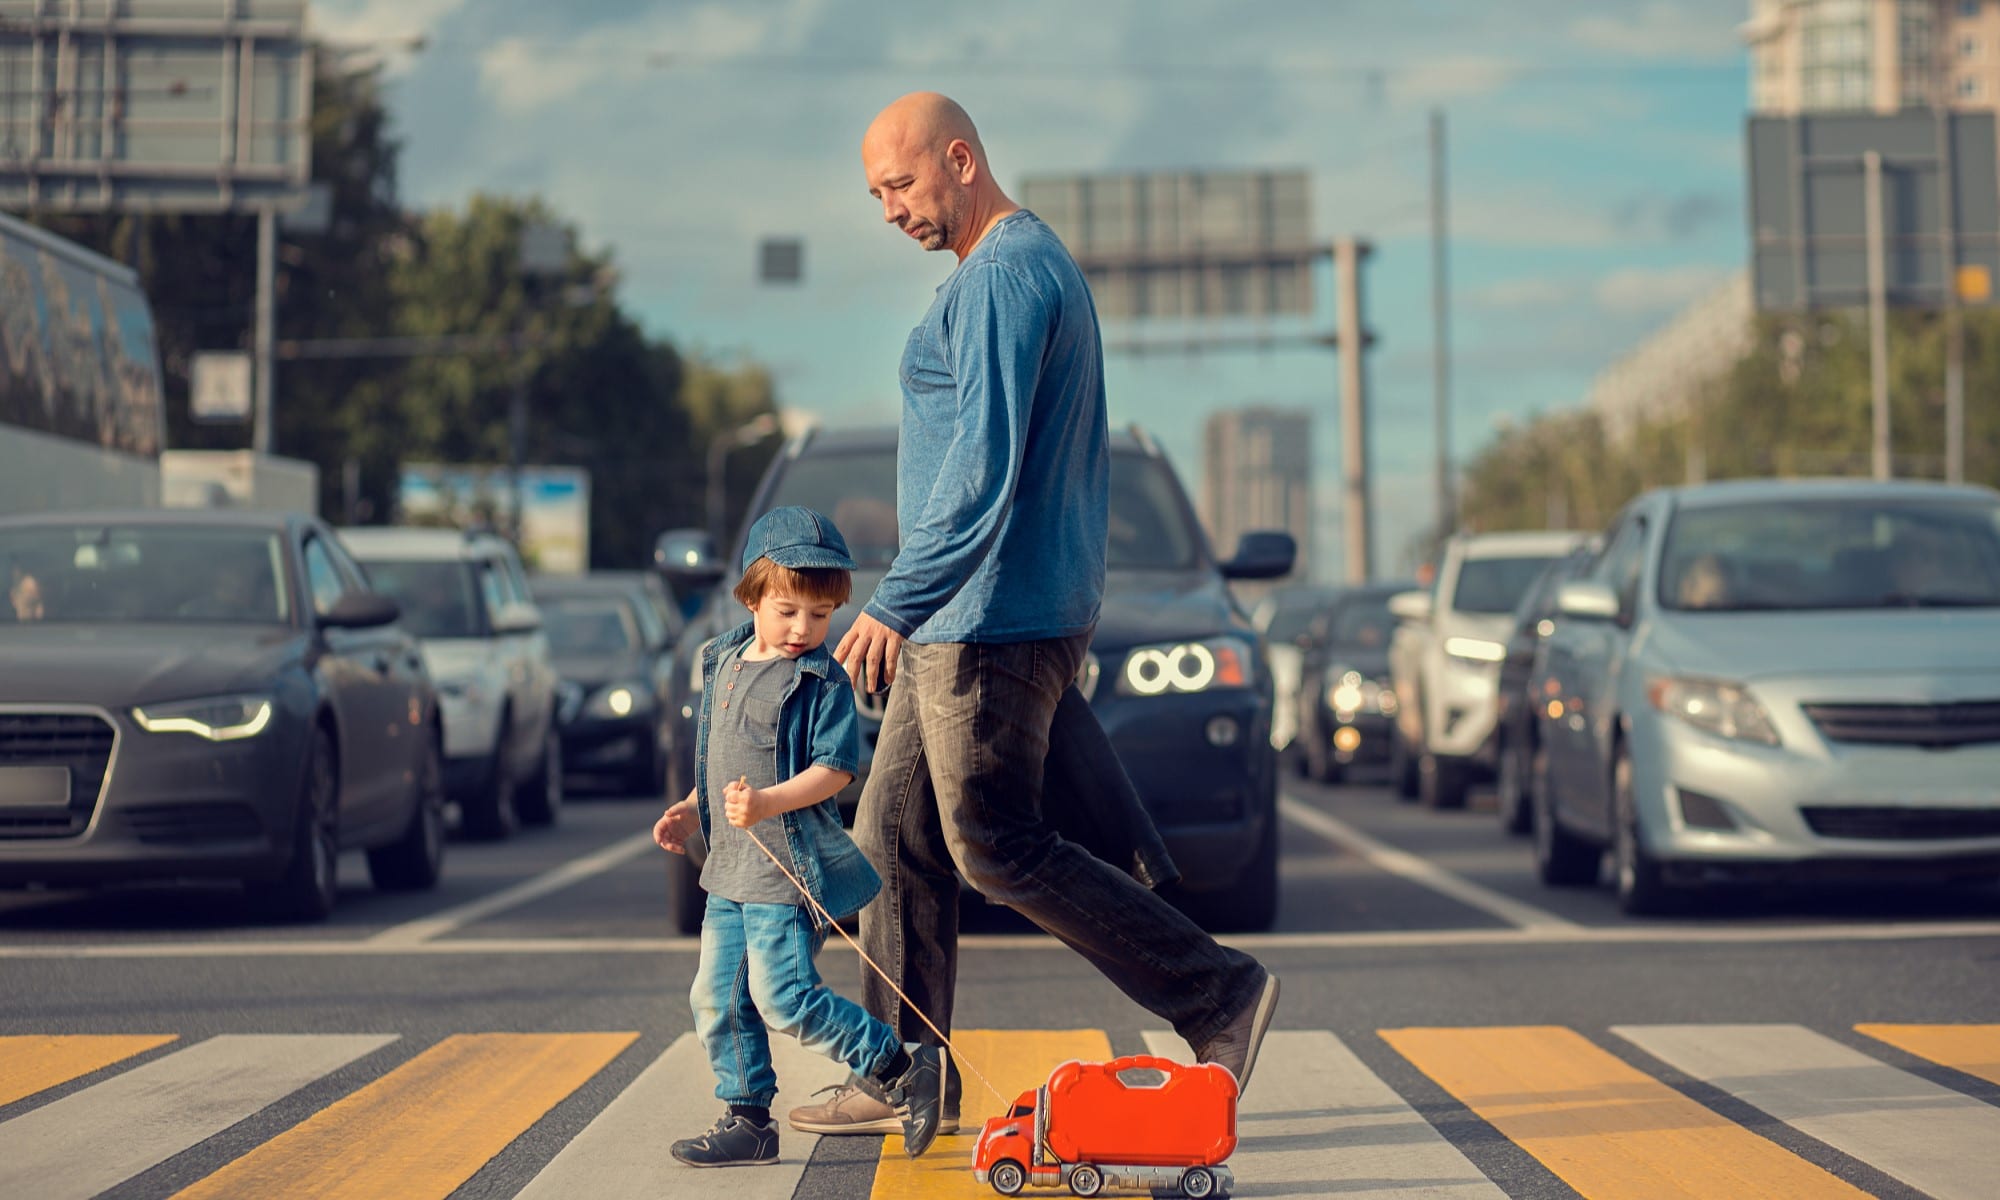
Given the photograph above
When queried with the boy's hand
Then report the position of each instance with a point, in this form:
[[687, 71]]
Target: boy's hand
[[675, 826], [742, 804]]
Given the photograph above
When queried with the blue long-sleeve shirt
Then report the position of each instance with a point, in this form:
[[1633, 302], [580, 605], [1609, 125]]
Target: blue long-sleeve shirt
[[1002, 468]]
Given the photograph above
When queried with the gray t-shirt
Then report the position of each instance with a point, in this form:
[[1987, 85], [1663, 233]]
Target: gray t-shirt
[[742, 742]]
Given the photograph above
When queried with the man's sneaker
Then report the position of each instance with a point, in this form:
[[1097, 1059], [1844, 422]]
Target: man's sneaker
[[853, 1110], [733, 1142], [918, 1098], [1236, 1046]]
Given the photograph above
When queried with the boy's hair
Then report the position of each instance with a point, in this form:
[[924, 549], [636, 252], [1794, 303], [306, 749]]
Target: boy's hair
[[815, 585]]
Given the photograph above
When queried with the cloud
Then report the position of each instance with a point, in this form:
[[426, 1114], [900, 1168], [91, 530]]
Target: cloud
[[1661, 30], [362, 22], [1451, 77], [1510, 294], [1641, 290]]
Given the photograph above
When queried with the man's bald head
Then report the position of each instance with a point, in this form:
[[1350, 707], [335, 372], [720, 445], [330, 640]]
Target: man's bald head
[[925, 163]]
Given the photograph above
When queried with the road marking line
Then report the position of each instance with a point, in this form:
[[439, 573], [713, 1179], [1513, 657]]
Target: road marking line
[[576, 870], [1607, 1129], [426, 1127], [1421, 871], [1317, 1121], [33, 1064], [1938, 1141], [622, 1153], [1015, 1060], [86, 1142], [1973, 1049]]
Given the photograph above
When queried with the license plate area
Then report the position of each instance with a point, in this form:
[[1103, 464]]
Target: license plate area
[[30, 789]]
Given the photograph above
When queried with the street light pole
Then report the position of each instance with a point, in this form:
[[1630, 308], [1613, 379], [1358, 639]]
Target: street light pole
[[747, 434]]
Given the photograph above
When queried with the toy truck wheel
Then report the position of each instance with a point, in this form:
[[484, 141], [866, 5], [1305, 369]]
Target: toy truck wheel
[[1007, 1177], [1196, 1181], [1086, 1180]]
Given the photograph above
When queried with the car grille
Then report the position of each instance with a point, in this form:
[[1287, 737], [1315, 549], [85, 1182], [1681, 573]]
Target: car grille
[[188, 824], [1903, 824], [80, 741], [1966, 723]]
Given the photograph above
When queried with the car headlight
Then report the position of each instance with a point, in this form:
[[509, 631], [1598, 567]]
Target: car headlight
[[1723, 709], [216, 718], [619, 700], [1349, 691], [1477, 650], [1222, 662]]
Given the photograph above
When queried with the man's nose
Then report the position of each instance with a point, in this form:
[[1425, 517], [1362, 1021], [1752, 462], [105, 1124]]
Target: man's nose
[[892, 209]]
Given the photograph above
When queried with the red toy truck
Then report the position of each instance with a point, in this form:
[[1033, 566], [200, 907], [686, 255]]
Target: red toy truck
[[1094, 1125]]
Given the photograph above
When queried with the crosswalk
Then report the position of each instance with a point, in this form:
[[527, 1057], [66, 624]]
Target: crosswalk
[[1648, 1111]]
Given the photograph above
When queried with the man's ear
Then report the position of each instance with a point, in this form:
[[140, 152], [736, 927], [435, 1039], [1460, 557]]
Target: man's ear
[[963, 162]]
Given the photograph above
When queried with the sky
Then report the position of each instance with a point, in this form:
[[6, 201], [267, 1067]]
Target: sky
[[1594, 178]]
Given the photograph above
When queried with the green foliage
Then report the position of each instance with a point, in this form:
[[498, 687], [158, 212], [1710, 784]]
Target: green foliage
[[1798, 403]]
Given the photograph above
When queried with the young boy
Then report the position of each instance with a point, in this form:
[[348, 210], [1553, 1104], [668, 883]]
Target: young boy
[[778, 739]]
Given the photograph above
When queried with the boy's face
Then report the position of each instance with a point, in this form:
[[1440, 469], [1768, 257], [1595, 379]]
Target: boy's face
[[788, 625]]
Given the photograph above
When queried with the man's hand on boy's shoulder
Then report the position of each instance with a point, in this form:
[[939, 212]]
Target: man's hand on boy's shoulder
[[676, 826]]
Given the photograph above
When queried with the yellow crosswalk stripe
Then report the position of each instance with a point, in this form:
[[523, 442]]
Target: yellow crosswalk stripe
[[1607, 1129], [1015, 1060], [424, 1128], [30, 1064], [1973, 1049]]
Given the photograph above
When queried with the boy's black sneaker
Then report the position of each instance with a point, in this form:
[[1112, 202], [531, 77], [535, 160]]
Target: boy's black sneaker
[[918, 1097], [732, 1142]]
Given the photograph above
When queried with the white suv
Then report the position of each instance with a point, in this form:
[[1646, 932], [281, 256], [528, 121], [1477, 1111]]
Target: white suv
[[1445, 659], [465, 597]]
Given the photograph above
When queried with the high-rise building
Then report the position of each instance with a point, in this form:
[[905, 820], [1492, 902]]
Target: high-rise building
[[1873, 55], [1257, 474]]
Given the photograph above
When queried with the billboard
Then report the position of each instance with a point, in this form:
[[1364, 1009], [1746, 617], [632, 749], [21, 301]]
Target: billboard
[[1940, 204], [1186, 244], [168, 105], [554, 537]]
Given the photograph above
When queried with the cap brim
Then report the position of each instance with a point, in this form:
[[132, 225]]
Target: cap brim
[[808, 558]]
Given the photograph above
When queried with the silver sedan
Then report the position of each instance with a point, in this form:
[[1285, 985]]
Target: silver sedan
[[1776, 680]]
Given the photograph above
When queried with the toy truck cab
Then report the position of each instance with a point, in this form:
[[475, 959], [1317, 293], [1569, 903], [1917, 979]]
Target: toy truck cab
[[1138, 1122]]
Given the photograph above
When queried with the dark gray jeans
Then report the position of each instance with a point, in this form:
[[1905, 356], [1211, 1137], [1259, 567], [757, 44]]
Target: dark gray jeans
[[957, 781]]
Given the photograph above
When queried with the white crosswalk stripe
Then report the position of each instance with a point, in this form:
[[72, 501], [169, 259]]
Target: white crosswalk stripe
[[83, 1143], [1939, 1141]]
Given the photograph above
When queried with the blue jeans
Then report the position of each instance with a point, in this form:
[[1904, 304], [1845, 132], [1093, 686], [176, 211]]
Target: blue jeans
[[756, 975], [956, 786]]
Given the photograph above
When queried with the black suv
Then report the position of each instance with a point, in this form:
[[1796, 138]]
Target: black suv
[[1176, 673]]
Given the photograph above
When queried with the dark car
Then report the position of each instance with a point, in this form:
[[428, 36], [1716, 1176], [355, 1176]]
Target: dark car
[[212, 696], [1347, 702], [1515, 729], [612, 634], [1175, 671]]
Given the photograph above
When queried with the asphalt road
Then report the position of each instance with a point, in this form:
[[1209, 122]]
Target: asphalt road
[[1450, 1027]]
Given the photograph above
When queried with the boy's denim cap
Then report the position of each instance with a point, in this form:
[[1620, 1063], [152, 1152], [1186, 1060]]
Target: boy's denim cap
[[798, 538]]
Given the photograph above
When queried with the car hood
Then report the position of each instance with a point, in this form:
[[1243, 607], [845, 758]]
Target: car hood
[[1762, 645], [1164, 606], [593, 670], [120, 665]]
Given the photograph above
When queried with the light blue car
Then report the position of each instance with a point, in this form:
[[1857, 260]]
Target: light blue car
[[1776, 680]]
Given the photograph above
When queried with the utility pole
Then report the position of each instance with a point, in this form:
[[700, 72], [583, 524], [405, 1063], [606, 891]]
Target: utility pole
[[1878, 313], [264, 336], [1348, 254], [1447, 507]]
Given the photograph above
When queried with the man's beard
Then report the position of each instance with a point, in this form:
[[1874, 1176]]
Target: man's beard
[[947, 224]]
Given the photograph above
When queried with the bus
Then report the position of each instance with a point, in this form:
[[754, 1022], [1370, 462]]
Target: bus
[[82, 419]]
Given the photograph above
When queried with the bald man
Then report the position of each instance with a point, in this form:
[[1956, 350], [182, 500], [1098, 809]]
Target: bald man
[[982, 623]]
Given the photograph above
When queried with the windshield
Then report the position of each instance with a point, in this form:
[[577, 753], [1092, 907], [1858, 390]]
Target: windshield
[[1848, 553], [589, 626], [1291, 611], [1362, 621], [1496, 585], [1148, 528], [438, 599], [94, 573]]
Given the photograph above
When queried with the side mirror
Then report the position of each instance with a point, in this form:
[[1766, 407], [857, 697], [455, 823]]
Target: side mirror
[[1411, 606], [1262, 554], [1587, 601], [517, 618], [362, 610]]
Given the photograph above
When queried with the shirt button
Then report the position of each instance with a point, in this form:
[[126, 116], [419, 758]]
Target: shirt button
[[725, 704]]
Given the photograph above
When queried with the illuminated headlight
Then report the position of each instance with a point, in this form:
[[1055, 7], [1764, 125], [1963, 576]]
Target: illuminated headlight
[[1723, 709], [1349, 691], [1477, 650], [218, 718], [619, 700], [1186, 667]]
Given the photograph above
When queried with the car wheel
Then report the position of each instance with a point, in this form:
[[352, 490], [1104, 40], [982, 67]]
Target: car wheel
[[1197, 1181], [1516, 816], [1561, 858], [1441, 781], [1007, 1177], [686, 902], [541, 797], [415, 860], [492, 816], [311, 882], [1086, 1180], [1642, 886], [1402, 767]]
